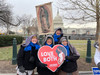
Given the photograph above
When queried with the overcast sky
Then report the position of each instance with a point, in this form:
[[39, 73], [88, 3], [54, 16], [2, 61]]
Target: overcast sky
[[21, 7]]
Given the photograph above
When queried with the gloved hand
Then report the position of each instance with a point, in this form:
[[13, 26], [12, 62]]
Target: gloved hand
[[98, 65], [21, 69], [67, 57], [32, 59], [42, 65]]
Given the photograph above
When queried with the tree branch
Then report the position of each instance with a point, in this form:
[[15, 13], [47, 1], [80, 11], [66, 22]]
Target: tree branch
[[9, 22]]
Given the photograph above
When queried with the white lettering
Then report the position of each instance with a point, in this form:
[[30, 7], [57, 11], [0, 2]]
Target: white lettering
[[49, 59], [47, 53]]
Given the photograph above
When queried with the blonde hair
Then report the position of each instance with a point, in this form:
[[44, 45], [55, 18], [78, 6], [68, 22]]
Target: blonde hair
[[34, 37]]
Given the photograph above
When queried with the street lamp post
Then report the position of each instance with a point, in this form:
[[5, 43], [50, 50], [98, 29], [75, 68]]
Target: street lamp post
[[88, 57], [14, 56]]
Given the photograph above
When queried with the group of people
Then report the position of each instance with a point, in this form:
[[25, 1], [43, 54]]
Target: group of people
[[27, 58]]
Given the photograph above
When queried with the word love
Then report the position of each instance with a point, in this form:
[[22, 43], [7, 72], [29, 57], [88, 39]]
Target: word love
[[48, 56]]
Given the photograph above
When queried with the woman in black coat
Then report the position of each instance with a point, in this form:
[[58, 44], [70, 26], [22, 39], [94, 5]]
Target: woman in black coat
[[27, 56], [70, 64], [41, 68]]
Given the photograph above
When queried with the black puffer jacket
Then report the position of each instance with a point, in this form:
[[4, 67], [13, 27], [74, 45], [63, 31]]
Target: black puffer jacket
[[44, 70], [23, 58], [71, 65]]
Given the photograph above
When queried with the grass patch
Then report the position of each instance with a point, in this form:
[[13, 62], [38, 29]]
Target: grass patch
[[6, 53], [80, 45]]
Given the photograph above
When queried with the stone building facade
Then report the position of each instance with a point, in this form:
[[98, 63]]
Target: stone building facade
[[77, 32]]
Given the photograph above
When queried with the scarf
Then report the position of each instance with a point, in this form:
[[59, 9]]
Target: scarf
[[49, 45], [68, 51], [29, 47], [56, 37]]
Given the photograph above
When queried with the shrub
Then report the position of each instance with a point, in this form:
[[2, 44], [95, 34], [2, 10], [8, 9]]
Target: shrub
[[7, 40]]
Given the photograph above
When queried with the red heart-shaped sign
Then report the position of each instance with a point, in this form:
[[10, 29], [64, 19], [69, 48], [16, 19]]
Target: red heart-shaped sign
[[53, 57]]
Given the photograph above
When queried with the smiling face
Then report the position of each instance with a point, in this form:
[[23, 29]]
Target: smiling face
[[64, 43], [34, 40], [58, 32], [49, 41]]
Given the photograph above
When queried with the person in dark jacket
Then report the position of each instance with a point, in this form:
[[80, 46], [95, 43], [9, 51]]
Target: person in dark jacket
[[70, 64], [42, 69], [57, 35], [26, 58], [97, 53]]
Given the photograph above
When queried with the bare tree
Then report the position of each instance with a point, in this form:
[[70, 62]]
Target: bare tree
[[34, 26], [28, 29], [7, 17], [26, 23], [82, 11], [29, 24], [6, 14]]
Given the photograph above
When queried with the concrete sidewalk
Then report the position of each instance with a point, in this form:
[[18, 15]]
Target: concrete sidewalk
[[80, 73], [8, 74], [85, 73], [11, 74]]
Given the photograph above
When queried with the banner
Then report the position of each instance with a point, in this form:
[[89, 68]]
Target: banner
[[53, 57], [45, 19]]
